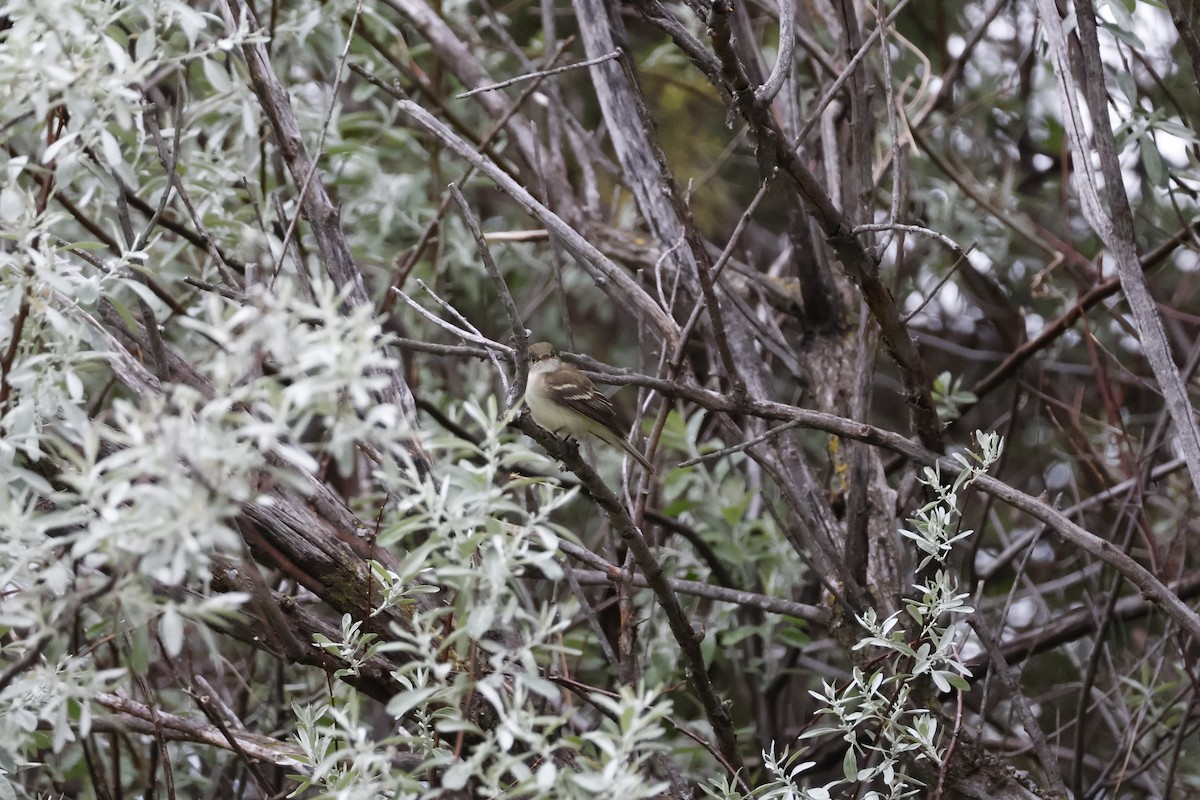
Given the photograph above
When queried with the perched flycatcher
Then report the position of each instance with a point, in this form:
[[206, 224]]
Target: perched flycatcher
[[563, 400]]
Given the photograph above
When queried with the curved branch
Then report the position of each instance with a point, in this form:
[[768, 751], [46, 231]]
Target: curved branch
[[1150, 586], [783, 63]]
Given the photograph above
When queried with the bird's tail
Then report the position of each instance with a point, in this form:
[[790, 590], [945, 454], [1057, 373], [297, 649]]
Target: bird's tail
[[637, 455]]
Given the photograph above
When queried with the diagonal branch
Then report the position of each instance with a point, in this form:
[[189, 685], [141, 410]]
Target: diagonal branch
[[685, 635], [132, 715], [1147, 583], [644, 166], [315, 204], [601, 267], [1113, 221]]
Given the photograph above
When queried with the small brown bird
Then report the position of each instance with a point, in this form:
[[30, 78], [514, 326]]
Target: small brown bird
[[563, 400]]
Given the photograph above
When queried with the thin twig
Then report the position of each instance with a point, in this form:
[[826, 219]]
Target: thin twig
[[737, 448], [772, 605], [169, 161], [456, 350], [719, 265], [918, 229], [958, 262], [10, 354], [477, 335], [589, 612], [945, 765], [149, 320], [840, 81], [1034, 731], [540, 74], [206, 238], [466, 335], [520, 335]]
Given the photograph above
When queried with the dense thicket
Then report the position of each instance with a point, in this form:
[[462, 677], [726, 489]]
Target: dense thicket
[[903, 299]]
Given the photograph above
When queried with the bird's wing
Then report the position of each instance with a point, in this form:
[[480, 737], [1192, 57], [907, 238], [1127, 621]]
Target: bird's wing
[[572, 389]]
